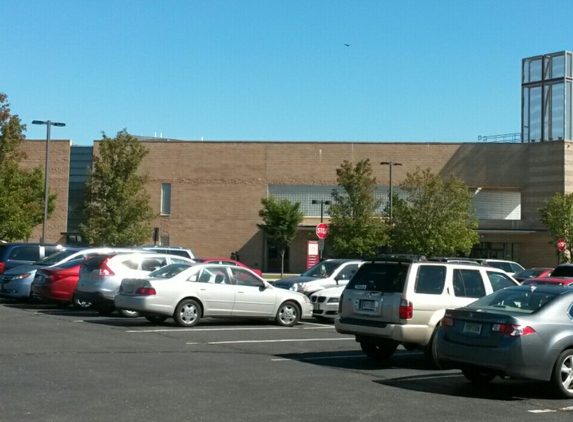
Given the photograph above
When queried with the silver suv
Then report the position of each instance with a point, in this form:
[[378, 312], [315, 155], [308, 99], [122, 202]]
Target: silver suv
[[393, 301], [100, 276]]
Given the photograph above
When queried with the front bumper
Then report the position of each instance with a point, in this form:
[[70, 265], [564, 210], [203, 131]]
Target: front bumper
[[17, 289]]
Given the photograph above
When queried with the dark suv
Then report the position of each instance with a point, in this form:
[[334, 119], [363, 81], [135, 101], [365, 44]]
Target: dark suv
[[14, 254]]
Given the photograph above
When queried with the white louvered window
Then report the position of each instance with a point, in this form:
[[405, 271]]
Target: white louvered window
[[497, 204]]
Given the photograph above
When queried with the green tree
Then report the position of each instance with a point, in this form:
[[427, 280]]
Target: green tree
[[437, 217], [21, 191], [356, 228], [117, 209], [281, 219], [557, 216]]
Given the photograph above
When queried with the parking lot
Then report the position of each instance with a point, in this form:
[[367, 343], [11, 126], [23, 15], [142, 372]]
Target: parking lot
[[69, 365]]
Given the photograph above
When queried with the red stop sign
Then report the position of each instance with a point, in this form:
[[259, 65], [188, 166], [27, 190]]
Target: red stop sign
[[560, 244], [322, 230]]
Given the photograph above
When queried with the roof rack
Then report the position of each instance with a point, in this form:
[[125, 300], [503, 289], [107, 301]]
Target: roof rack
[[398, 257]]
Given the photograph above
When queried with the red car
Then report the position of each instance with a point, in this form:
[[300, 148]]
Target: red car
[[58, 284], [228, 261], [557, 281], [532, 273]]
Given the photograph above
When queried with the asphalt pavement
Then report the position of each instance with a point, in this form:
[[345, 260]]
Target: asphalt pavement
[[67, 365]]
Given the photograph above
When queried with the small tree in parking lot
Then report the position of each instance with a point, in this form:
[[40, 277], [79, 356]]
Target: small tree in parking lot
[[21, 190], [437, 217], [117, 209], [281, 219], [557, 216]]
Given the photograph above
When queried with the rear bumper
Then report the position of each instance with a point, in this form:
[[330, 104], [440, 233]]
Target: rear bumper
[[401, 333], [48, 292], [513, 359]]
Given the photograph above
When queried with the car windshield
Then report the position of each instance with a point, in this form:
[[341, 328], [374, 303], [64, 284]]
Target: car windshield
[[563, 271], [322, 270], [505, 266], [72, 263], [57, 257], [169, 271], [528, 273], [515, 300]]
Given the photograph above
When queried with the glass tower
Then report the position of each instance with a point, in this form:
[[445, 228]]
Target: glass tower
[[546, 97]]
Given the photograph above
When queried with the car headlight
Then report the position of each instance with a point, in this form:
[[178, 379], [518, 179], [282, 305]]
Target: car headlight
[[306, 299], [21, 276], [333, 300]]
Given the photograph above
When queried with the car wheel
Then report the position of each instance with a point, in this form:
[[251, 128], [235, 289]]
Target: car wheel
[[431, 353], [477, 376], [288, 314], [378, 351], [562, 377], [187, 313], [129, 314], [81, 304], [156, 319]]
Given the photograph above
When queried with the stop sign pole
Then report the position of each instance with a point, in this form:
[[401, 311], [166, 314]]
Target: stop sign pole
[[322, 233]]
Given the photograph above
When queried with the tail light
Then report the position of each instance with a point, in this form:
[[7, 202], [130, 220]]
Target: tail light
[[146, 291], [2, 266], [406, 309], [54, 277], [340, 304], [448, 322], [512, 330], [104, 268]]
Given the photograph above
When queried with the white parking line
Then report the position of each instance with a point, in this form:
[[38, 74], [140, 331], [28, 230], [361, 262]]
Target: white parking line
[[277, 341], [177, 330], [542, 411]]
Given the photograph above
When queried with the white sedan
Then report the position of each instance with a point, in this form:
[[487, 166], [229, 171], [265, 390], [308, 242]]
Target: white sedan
[[325, 302], [188, 293]]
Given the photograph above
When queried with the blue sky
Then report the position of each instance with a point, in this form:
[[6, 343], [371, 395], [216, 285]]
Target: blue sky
[[276, 70]]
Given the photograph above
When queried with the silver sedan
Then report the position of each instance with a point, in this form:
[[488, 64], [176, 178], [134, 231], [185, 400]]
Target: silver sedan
[[188, 293], [522, 332]]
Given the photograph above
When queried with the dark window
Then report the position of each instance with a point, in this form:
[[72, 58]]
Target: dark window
[[505, 266], [388, 277], [499, 281], [516, 267], [169, 271], [131, 264], [25, 253], [50, 250], [93, 263], [431, 279], [563, 271], [72, 263], [152, 264], [468, 283]]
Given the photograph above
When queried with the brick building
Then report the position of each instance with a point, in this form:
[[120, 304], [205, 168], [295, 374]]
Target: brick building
[[209, 193]]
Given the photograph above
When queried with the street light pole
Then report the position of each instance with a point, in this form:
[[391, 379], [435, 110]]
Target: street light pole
[[391, 164], [48, 124], [322, 203]]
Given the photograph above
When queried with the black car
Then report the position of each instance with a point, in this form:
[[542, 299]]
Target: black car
[[15, 254]]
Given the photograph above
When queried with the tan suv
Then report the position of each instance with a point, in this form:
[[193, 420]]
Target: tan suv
[[393, 301]]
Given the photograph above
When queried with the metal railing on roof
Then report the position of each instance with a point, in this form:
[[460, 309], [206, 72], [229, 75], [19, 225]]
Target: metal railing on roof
[[505, 138]]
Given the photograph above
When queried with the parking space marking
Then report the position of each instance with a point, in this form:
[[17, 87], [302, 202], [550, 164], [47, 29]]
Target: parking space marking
[[277, 341], [177, 330]]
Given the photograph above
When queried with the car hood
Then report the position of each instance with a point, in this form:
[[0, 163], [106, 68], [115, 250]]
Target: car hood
[[21, 269], [289, 282], [332, 292]]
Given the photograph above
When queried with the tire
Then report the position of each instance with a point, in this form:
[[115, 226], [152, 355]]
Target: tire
[[430, 353], [129, 314], [156, 319], [80, 304], [378, 351], [187, 313], [477, 376], [562, 377], [287, 315]]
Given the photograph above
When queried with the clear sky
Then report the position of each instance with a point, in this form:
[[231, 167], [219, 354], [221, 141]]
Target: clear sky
[[277, 70]]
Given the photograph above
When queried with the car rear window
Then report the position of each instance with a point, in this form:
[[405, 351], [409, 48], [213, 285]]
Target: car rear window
[[2, 251], [71, 263], [523, 301], [563, 271], [388, 277], [94, 263]]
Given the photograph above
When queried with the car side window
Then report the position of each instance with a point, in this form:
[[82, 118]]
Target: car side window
[[152, 264], [244, 278], [25, 253], [228, 263], [468, 283], [131, 264], [499, 281], [571, 311], [347, 272], [431, 279]]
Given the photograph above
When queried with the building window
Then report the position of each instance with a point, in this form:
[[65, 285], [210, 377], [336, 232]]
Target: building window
[[165, 198]]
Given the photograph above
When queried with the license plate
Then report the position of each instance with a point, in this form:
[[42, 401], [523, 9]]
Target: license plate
[[368, 305], [129, 289], [472, 328]]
